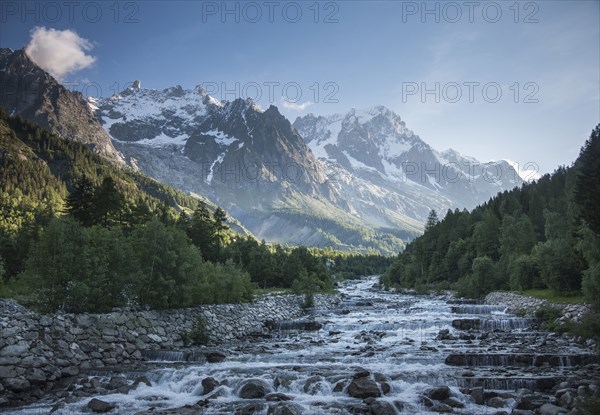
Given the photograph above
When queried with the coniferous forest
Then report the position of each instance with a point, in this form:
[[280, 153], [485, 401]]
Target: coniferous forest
[[544, 235]]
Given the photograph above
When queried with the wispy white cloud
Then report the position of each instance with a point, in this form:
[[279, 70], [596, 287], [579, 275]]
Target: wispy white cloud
[[296, 106], [59, 52]]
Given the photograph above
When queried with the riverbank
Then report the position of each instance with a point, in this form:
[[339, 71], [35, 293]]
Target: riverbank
[[37, 350], [528, 306]]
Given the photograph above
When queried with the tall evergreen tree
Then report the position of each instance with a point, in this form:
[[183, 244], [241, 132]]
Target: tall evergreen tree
[[201, 231], [220, 228], [432, 220], [109, 203], [81, 200]]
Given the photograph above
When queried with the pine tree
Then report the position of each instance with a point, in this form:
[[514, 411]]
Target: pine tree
[[109, 203], [220, 228], [201, 231], [81, 200], [432, 220]]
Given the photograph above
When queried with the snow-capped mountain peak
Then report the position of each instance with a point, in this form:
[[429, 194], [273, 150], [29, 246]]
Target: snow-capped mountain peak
[[375, 144]]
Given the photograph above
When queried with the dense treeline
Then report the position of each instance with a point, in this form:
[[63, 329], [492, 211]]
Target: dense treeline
[[80, 234], [542, 235], [76, 268]]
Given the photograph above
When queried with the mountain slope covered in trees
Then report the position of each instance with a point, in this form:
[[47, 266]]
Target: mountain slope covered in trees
[[542, 235], [39, 169]]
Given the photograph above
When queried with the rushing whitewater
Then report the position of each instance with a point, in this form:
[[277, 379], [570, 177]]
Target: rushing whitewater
[[407, 344]]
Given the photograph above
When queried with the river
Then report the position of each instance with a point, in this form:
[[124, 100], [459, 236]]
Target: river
[[389, 344]]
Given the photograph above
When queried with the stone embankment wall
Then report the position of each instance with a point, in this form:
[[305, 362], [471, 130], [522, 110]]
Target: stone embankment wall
[[37, 349], [529, 305]]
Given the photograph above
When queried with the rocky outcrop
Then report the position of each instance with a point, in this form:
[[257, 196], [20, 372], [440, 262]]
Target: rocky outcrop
[[27, 90], [37, 349]]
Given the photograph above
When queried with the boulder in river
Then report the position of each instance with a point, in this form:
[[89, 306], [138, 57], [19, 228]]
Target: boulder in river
[[250, 409], [254, 389], [285, 408], [215, 357], [441, 408], [456, 359], [209, 384], [477, 395], [363, 388], [496, 402], [438, 393], [98, 406], [381, 408], [277, 397]]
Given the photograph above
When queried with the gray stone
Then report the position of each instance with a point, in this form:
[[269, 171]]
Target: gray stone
[[363, 388], [381, 408], [549, 409], [116, 382], [254, 389], [17, 349], [566, 400], [16, 384], [477, 395], [284, 408], [215, 357], [441, 408], [453, 402], [250, 409], [96, 405], [33, 361], [35, 376], [496, 402], [45, 321], [69, 371], [209, 384], [7, 372], [438, 393]]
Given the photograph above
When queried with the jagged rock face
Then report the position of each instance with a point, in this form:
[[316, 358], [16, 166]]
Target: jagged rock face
[[364, 169], [28, 91], [235, 145], [376, 145]]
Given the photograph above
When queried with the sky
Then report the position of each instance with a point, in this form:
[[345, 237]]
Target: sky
[[490, 79]]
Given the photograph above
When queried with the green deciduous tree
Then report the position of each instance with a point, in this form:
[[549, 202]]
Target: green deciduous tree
[[559, 265], [481, 280], [524, 273], [55, 261], [167, 263]]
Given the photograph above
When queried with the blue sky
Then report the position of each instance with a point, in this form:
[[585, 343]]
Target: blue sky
[[543, 57]]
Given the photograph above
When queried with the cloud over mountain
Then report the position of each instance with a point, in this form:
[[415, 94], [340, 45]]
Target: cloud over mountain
[[59, 52]]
